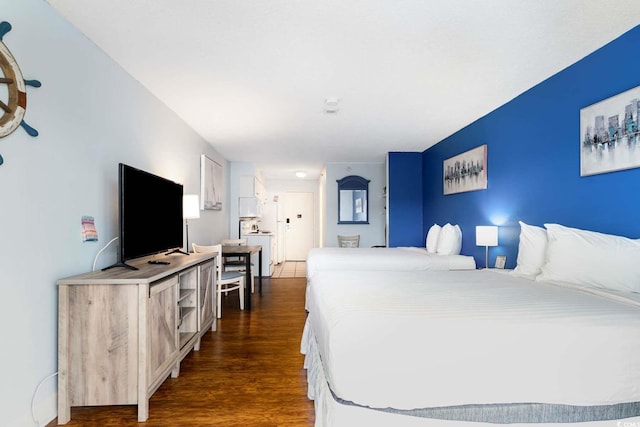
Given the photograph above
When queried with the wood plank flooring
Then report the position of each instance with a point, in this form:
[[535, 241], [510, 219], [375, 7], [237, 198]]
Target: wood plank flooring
[[247, 373]]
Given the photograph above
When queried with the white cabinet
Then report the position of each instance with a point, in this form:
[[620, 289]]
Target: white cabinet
[[251, 186], [249, 207], [267, 243], [121, 333]]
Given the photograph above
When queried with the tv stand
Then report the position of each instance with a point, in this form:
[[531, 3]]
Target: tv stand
[[177, 251], [122, 333], [120, 264]]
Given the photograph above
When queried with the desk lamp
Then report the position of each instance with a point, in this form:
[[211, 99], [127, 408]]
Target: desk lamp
[[190, 210]]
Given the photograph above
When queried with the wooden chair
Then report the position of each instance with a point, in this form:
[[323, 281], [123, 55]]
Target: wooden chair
[[227, 281], [349, 241], [237, 263]]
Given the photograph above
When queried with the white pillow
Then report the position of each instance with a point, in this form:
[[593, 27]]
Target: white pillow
[[449, 240], [532, 250], [458, 247], [432, 238], [591, 259]]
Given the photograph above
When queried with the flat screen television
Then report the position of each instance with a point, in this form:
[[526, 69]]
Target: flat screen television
[[149, 215]]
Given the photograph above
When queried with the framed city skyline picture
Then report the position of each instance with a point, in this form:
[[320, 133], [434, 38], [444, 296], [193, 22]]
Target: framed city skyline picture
[[466, 171], [609, 137]]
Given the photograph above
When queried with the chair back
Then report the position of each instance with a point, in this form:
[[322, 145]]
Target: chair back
[[234, 242], [349, 241], [230, 262], [209, 249]]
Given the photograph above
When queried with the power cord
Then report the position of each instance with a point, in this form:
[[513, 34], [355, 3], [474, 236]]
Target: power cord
[[33, 399], [95, 260]]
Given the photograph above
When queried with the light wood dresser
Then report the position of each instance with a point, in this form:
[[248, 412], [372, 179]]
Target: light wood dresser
[[121, 332]]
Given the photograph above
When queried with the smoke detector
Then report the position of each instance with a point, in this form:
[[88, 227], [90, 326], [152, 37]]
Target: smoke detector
[[331, 105]]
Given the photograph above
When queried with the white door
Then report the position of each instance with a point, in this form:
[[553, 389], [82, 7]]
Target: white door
[[298, 217]]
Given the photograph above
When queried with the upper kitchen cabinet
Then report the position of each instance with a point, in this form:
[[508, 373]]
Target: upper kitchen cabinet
[[251, 186], [249, 207]]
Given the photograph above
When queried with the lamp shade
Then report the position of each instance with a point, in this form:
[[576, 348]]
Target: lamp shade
[[486, 235], [190, 206]]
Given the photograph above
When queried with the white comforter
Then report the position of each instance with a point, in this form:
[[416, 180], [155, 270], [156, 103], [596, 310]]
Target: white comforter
[[471, 337], [389, 259]]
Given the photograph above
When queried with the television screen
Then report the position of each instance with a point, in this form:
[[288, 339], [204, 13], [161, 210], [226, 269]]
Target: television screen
[[150, 213]]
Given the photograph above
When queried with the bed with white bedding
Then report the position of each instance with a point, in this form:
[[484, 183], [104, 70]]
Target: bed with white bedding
[[470, 346], [387, 259]]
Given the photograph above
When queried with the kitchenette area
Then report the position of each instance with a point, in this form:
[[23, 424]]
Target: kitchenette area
[[256, 218], [250, 230], [273, 218]]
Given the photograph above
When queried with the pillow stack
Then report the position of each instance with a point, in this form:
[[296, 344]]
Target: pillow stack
[[445, 240], [579, 257]]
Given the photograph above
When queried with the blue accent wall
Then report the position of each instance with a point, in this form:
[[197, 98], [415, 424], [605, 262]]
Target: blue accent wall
[[405, 199], [533, 164], [534, 161]]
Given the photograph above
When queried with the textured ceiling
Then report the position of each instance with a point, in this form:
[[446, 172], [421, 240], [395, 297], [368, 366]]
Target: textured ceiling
[[252, 77]]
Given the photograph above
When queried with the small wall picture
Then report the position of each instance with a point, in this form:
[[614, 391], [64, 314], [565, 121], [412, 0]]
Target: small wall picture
[[211, 184], [89, 232], [466, 171], [501, 260], [609, 135]]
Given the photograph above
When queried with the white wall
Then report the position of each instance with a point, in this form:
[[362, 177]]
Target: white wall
[[322, 196], [370, 234], [90, 115], [236, 171]]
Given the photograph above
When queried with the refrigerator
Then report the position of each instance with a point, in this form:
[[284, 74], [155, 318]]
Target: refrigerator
[[272, 223]]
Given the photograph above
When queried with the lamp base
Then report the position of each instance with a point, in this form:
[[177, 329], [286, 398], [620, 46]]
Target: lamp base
[[486, 257]]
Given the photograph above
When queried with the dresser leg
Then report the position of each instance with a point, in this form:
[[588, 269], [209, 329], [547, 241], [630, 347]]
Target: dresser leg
[[64, 408], [175, 372], [143, 410]]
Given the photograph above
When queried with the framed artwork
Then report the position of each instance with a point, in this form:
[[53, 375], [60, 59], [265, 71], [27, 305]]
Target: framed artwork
[[609, 134], [466, 171], [211, 184], [501, 260]]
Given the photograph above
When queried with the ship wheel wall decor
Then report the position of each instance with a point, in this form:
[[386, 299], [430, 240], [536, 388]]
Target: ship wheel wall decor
[[14, 106]]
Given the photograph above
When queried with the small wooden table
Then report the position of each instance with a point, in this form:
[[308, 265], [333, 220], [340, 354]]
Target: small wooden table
[[245, 252]]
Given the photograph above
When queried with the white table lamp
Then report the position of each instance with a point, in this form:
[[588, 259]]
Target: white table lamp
[[190, 210], [486, 235]]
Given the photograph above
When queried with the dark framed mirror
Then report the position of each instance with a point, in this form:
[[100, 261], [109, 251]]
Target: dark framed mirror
[[353, 200]]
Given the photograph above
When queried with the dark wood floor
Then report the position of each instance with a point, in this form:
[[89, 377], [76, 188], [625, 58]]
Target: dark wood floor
[[248, 373]]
